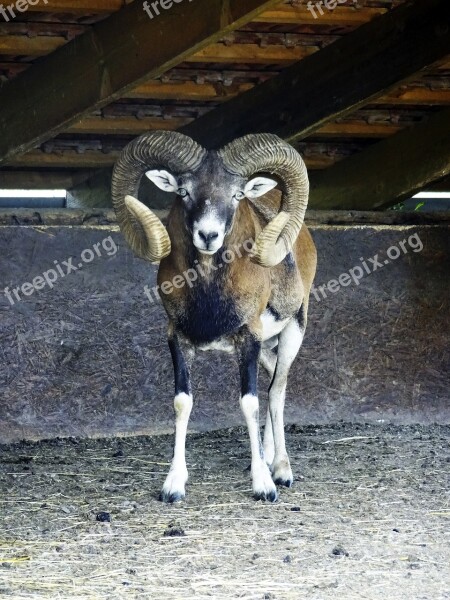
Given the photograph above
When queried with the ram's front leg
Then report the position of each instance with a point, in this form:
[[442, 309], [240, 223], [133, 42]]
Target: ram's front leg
[[174, 486], [249, 347]]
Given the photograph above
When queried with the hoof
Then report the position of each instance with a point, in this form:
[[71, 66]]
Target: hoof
[[282, 473], [284, 482], [270, 495], [170, 497]]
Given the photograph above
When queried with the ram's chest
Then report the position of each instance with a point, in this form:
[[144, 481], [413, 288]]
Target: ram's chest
[[208, 314]]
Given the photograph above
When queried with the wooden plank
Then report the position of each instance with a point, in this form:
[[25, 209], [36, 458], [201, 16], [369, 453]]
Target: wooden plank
[[252, 54], [417, 96], [126, 125], [112, 57], [300, 15], [78, 6], [389, 171], [188, 90], [22, 45], [353, 71], [358, 129]]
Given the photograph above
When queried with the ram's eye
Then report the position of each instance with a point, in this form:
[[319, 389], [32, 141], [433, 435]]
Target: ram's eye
[[239, 195], [182, 192]]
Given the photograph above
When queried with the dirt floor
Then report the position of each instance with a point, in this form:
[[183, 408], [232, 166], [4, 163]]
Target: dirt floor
[[368, 517]]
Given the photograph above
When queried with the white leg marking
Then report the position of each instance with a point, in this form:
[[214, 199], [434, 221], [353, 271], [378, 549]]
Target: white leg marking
[[289, 344], [173, 489], [263, 486]]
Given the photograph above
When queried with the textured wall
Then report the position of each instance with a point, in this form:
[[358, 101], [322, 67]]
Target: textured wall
[[88, 356]]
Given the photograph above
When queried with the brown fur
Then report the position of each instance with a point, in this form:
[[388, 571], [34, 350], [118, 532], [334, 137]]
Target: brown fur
[[284, 287]]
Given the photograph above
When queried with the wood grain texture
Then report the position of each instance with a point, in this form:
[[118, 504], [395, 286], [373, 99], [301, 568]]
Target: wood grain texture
[[111, 58]]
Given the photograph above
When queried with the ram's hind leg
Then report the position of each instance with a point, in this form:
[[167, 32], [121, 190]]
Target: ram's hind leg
[[268, 360], [290, 340], [248, 348]]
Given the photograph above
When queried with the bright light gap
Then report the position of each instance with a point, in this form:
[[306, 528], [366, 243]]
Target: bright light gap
[[33, 193], [433, 195]]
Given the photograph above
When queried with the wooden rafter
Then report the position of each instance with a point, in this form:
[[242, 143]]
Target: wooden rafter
[[389, 171], [352, 72], [107, 61]]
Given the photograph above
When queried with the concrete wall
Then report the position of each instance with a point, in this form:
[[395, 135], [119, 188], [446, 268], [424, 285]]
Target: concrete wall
[[88, 356]]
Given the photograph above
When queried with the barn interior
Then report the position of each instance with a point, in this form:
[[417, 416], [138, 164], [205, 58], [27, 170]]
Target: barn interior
[[362, 90]]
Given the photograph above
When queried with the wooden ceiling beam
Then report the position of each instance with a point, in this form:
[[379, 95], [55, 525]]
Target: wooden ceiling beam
[[388, 172], [112, 57], [95, 159], [344, 76]]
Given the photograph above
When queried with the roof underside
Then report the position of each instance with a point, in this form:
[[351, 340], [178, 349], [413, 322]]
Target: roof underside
[[248, 57]]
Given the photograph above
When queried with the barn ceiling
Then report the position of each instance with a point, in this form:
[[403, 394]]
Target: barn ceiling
[[260, 49]]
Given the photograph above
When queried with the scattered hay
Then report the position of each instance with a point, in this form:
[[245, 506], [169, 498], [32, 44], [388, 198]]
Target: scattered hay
[[369, 520]]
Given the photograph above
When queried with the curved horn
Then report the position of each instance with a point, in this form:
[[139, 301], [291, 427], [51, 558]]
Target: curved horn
[[267, 152], [142, 229]]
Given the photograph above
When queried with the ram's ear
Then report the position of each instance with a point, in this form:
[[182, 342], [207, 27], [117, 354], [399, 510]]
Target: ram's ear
[[164, 180], [259, 186]]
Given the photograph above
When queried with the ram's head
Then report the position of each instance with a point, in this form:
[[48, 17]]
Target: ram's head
[[211, 184]]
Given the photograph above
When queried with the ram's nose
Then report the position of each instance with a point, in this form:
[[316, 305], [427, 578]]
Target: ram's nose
[[208, 237]]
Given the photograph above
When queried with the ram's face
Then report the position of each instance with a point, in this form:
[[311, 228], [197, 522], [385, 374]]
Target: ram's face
[[210, 198]]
